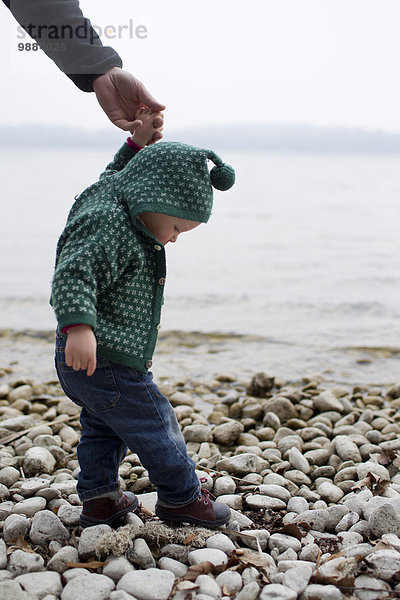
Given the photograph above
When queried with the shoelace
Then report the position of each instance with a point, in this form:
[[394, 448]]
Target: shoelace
[[206, 496]]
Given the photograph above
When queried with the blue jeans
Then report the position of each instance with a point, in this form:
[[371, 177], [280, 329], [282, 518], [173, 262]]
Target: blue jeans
[[123, 408]]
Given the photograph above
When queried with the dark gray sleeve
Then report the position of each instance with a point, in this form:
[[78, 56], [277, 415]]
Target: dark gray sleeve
[[67, 37]]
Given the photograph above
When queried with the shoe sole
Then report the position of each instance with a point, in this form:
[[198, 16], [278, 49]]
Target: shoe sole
[[90, 521], [190, 519]]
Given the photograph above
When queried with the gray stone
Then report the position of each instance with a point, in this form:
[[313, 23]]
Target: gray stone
[[208, 586], [227, 433], [140, 554], [69, 515], [250, 591], [9, 476], [282, 542], [282, 407], [75, 572], [382, 589], [170, 564], [297, 579], [317, 591], [31, 486], [176, 551], [232, 500], [121, 595], [148, 500], [335, 514], [297, 504], [276, 591], [18, 423], [213, 555], [89, 539], [346, 449], [313, 519], [46, 526], [224, 485], [297, 477], [40, 584], [29, 507], [89, 587], [310, 552], [116, 567], [252, 535], [257, 501], [151, 584], [58, 562], [21, 562], [274, 491], [330, 492], [3, 554], [11, 590], [326, 401], [347, 521], [197, 433], [231, 580], [298, 461], [220, 541], [372, 467], [15, 526], [383, 563], [384, 519], [240, 519], [38, 460], [242, 464]]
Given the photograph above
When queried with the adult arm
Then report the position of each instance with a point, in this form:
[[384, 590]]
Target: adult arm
[[67, 37]]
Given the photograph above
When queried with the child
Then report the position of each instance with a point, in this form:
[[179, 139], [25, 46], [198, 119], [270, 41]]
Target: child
[[107, 294]]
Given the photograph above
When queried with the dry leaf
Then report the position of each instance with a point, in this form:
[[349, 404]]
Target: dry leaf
[[250, 557], [20, 544], [92, 564], [373, 483], [186, 585], [194, 571], [189, 539], [292, 530], [396, 462], [146, 511], [386, 457]]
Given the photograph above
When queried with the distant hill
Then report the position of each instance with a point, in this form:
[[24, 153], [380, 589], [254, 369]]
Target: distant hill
[[265, 137]]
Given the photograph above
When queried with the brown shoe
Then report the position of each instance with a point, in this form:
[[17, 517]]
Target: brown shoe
[[106, 510], [202, 511]]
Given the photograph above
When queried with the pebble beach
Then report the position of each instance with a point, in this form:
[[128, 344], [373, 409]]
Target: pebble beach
[[310, 470]]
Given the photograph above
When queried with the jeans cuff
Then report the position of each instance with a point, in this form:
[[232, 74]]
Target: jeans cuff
[[99, 492], [176, 505]]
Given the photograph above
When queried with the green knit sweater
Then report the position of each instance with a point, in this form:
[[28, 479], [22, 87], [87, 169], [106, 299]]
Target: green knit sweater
[[110, 270]]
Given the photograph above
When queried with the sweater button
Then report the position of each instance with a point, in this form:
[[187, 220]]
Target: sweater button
[[161, 281], [158, 327], [157, 247], [148, 364]]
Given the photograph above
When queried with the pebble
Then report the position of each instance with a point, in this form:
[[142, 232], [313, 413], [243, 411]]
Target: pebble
[[29, 507], [298, 453], [276, 591], [222, 542], [40, 584], [89, 539], [89, 587], [15, 526], [151, 584], [46, 526], [213, 555]]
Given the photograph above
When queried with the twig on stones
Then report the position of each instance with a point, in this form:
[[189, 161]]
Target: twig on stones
[[15, 436]]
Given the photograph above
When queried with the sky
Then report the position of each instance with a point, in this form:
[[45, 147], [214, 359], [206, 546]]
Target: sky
[[214, 62]]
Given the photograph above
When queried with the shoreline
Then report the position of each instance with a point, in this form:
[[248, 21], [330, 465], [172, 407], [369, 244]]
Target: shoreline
[[202, 356]]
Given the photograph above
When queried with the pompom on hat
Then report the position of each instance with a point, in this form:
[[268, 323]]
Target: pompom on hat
[[173, 178], [222, 175]]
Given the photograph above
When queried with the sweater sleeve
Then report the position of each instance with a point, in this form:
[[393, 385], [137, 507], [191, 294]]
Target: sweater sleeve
[[82, 272], [120, 160], [67, 37]]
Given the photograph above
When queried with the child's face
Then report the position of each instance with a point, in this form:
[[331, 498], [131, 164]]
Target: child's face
[[165, 228]]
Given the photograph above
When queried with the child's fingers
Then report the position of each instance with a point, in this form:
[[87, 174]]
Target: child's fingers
[[91, 366]]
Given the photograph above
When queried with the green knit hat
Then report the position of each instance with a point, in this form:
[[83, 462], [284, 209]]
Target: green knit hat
[[173, 179]]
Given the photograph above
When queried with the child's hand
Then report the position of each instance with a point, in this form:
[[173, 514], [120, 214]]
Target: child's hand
[[150, 130], [80, 349]]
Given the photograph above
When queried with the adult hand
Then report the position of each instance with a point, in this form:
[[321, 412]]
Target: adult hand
[[120, 95]]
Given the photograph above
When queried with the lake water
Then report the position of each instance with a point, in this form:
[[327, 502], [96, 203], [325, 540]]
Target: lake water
[[300, 260]]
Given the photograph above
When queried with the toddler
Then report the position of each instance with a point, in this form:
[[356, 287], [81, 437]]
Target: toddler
[[107, 293]]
